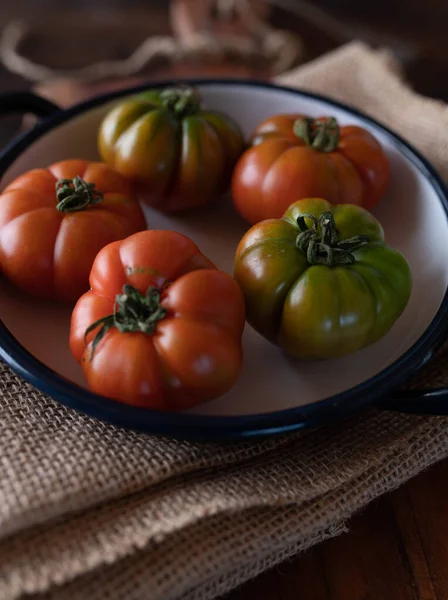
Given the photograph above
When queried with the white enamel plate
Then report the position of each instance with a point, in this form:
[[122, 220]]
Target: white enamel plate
[[273, 393]]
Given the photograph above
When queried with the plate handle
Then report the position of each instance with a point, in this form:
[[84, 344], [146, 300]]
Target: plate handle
[[26, 102], [431, 401]]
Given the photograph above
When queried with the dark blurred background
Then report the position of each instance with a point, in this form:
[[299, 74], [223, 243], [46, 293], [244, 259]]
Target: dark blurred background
[[67, 34]]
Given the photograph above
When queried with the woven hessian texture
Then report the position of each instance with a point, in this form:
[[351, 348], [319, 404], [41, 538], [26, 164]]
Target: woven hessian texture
[[92, 511]]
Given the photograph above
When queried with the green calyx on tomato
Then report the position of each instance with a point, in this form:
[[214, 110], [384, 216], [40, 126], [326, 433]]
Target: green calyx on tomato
[[321, 244], [181, 101], [320, 282], [76, 194], [320, 134], [132, 312]]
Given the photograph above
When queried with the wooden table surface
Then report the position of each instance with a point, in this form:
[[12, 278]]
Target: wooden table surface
[[397, 549]]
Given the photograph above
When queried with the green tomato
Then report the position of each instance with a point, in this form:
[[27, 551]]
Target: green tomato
[[320, 282], [178, 155]]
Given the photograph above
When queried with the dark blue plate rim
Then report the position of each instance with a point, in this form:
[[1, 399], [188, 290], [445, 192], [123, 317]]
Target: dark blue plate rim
[[238, 427]]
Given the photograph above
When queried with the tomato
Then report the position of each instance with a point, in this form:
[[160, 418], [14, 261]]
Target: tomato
[[294, 157], [161, 327], [320, 282], [54, 221], [179, 155]]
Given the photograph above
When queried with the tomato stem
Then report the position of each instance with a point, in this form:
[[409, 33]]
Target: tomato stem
[[132, 312], [321, 134], [182, 101], [321, 244], [76, 194]]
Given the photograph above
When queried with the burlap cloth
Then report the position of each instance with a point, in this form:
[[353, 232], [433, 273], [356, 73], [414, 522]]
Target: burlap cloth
[[89, 511]]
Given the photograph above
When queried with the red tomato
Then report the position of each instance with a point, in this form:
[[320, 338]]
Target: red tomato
[[294, 157], [54, 221], [161, 327]]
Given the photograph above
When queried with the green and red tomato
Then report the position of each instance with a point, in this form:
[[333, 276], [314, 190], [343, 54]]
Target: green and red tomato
[[321, 282]]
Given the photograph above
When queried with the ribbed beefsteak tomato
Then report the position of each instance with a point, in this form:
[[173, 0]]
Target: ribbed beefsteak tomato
[[54, 221], [320, 282], [161, 327], [294, 157], [179, 155]]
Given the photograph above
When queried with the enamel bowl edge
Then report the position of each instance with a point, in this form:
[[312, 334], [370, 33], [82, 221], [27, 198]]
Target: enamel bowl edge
[[284, 395]]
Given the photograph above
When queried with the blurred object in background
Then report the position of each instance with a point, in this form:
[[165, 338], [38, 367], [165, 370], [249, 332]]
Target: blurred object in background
[[208, 38], [91, 46]]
